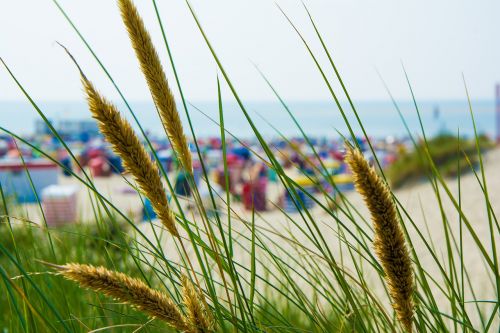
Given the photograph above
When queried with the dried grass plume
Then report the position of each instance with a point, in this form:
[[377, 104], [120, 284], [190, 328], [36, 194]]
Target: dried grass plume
[[155, 76], [389, 242], [199, 316], [128, 290], [136, 160]]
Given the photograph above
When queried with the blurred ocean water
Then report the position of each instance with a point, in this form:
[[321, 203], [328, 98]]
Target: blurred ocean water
[[318, 119]]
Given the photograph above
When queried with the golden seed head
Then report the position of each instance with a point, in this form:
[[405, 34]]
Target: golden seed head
[[389, 242], [199, 316], [128, 290], [136, 160], [157, 81]]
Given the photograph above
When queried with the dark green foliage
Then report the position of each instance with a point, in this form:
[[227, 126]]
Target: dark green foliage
[[447, 151]]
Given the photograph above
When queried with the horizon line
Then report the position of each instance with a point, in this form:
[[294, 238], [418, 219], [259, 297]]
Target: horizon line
[[388, 100]]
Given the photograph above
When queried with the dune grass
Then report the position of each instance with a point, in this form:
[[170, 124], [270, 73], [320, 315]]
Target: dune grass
[[446, 150], [317, 272]]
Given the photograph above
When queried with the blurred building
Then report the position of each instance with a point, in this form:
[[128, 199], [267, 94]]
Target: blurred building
[[76, 127], [41, 127], [23, 188], [69, 128]]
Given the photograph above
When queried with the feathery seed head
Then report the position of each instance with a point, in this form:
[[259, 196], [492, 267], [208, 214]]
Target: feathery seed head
[[198, 315], [155, 76], [389, 242], [136, 160], [128, 290]]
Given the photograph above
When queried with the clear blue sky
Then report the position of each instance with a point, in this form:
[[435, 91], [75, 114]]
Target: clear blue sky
[[436, 40]]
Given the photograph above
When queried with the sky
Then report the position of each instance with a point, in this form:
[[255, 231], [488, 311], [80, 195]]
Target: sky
[[436, 41]]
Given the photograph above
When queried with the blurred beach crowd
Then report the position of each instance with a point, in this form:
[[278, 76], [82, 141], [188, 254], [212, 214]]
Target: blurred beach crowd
[[33, 173]]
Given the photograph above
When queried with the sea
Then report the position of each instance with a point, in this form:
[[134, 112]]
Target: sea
[[317, 118]]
